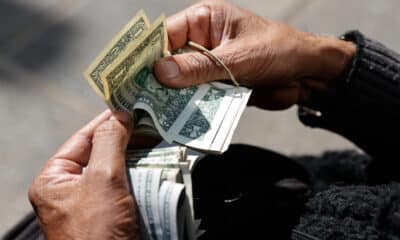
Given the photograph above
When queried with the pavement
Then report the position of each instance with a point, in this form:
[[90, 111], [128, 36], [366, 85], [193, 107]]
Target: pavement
[[45, 45]]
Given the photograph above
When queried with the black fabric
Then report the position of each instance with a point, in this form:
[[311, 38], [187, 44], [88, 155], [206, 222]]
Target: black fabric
[[344, 207], [365, 106], [249, 192], [353, 213], [27, 229], [336, 167], [337, 203]]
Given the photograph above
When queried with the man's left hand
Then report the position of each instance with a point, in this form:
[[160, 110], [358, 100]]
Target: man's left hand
[[83, 191]]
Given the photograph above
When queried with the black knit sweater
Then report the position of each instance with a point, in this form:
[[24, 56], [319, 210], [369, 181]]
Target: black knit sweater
[[365, 108]]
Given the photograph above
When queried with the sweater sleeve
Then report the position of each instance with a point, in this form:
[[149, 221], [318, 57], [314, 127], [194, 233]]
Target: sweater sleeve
[[364, 106]]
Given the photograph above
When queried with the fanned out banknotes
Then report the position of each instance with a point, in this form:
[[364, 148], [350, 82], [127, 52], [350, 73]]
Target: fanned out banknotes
[[201, 117], [162, 186]]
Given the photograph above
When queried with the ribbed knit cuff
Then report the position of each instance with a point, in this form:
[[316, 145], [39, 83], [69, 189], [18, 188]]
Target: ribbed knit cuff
[[370, 90]]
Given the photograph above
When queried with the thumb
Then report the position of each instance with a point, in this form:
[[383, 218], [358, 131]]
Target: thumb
[[188, 69]]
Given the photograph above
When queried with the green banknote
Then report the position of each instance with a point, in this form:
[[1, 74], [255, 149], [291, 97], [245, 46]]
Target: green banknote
[[201, 117], [130, 82], [133, 30], [147, 49]]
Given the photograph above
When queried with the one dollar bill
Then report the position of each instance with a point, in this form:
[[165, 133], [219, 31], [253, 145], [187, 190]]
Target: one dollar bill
[[133, 30], [202, 117]]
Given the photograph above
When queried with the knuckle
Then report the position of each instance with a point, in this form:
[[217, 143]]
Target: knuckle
[[216, 5], [111, 128], [107, 175], [209, 3], [201, 15], [195, 65], [32, 194], [36, 191]]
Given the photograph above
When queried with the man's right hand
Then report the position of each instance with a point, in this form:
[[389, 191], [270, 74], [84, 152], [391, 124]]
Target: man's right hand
[[282, 64]]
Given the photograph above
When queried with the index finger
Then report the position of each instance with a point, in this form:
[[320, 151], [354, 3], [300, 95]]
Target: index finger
[[77, 148], [110, 141], [191, 24]]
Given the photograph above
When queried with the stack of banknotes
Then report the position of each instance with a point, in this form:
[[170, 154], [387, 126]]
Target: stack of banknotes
[[162, 186], [202, 117]]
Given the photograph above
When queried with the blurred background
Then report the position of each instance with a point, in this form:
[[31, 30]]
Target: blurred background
[[45, 45]]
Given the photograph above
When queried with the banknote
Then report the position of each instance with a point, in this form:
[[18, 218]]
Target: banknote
[[171, 174], [138, 177], [133, 30], [169, 159], [137, 57], [170, 194], [202, 117], [173, 217], [211, 125], [179, 172], [146, 182], [191, 116], [178, 153]]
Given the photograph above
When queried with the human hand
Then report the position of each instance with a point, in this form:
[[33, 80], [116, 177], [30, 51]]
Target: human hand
[[283, 65], [83, 192]]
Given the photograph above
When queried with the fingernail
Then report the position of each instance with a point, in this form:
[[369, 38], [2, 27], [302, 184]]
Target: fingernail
[[168, 69], [122, 117]]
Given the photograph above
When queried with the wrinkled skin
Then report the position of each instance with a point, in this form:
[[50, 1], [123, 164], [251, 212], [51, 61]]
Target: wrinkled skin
[[283, 65], [83, 192]]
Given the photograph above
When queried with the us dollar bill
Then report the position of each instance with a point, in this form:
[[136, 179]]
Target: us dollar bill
[[125, 79], [171, 213], [178, 153], [167, 214], [146, 183], [133, 30], [192, 116], [169, 159]]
